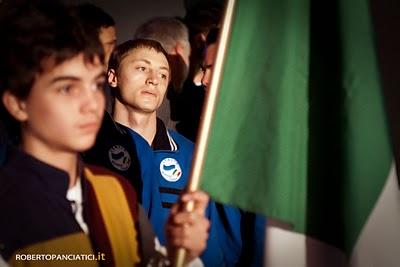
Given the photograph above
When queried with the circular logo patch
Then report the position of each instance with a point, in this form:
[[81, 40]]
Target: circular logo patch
[[170, 169], [119, 157]]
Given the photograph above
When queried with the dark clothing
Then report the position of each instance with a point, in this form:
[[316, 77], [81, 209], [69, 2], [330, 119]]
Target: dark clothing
[[36, 216], [188, 110], [3, 142]]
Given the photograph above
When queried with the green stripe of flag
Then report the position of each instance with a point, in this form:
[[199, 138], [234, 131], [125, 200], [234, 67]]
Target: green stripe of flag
[[259, 138], [299, 132], [368, 153]]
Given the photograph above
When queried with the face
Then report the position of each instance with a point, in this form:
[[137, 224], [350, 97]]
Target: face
[[108, 38], [211, 51], [64, 109], [142, 79]]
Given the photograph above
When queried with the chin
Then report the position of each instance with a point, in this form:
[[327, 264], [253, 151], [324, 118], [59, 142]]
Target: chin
[[149, 109], [85, 145]]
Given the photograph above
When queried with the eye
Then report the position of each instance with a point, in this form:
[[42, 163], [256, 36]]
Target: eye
[[65, 89], [163, 76], [141, 68], [99, 86], [68, 89]]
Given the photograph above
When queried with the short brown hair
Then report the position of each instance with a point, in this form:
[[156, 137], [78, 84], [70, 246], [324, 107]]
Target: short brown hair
[[122, 50]]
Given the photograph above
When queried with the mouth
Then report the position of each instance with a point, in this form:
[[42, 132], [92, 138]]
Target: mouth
[[149, 93], [89, 126]]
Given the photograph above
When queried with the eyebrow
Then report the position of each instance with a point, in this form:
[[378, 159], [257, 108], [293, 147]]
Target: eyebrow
[[209, 66], [112, 41], [74, 78], [148, 62]]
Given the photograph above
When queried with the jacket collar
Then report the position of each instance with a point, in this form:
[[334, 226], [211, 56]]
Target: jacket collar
[[162, 139]]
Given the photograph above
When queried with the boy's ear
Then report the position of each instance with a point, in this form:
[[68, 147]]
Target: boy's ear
[[112, 78], [180, 50], [15, 106]]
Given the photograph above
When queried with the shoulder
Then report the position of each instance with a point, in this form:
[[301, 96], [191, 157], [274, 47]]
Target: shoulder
[[114, 149], [9, 187], [111, 134]]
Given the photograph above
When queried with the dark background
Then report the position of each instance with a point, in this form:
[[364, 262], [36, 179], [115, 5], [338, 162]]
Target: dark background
[[129, 14]]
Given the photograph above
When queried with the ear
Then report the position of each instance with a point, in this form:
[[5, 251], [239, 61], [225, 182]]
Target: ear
[[15, 106], [112, 78], [180, 50]]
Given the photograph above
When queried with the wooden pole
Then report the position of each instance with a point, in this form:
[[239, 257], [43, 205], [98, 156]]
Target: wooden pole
[[208, 114]]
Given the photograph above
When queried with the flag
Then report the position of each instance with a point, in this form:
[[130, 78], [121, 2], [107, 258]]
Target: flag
[[300, 135]]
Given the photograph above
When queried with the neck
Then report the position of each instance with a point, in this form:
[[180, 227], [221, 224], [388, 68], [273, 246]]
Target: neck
[[143, 123], [63, 160]]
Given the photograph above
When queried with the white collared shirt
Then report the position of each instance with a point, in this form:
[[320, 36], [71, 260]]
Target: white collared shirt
[[74, 195]]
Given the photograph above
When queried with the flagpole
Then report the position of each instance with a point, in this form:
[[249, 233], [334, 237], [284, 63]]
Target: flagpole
[[208, 114]]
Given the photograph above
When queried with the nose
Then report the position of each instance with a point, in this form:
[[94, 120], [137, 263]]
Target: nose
[[152, 78], [92, 100], [205, 80], [198, 77]]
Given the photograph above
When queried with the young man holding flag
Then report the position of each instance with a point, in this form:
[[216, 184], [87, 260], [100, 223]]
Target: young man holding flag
[[139, 73]]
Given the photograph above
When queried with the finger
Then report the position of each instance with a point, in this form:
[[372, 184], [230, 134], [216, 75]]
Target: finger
[[192, 238], [200, 200], [187, 230], [185, 217], [183, 239], [174, 208]]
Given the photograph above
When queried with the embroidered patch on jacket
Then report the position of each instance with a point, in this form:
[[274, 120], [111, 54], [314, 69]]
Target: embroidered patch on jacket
[[119, 157], [170, 169]]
